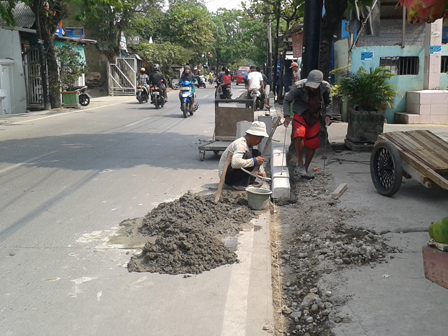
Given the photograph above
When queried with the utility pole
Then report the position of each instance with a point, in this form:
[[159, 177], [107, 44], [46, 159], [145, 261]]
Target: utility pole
[[269, 70], [40, 50], [311, 36]]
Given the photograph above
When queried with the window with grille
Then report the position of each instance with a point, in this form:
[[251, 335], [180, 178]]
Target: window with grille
[[444, 64], [401, 65]]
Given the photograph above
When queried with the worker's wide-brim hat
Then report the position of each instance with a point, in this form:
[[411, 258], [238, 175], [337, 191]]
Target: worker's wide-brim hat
[[258, 128], [315, 77]]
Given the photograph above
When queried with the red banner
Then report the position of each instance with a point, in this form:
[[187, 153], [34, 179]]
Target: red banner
[[297, 41]]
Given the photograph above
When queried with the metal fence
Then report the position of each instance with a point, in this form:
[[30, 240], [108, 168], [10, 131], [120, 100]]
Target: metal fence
[[122, 76]]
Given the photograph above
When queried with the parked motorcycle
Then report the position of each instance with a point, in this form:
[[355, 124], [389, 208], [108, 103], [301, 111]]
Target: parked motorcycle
[[157, 97], [84, 97], [142, 94], [186, 98], [257, 104]]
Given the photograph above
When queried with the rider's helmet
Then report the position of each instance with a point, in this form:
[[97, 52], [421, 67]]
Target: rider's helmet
[[142, 70], [156, 67], [187, 67]]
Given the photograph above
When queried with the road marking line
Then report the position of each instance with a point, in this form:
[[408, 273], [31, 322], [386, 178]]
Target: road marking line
[[65, 113], [139, 121], [27, 161], [235, 311]]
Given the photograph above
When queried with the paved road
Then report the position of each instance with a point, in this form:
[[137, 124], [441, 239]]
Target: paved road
[[66, 182]]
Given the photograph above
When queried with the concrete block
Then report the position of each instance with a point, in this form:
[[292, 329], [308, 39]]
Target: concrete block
[[281, 188], [242, 127], [268, 121], [439, 109], [439, 119], [440, 97], [425, 97], [279, 172], [278, 157], [424, 119], [413, 108], [412, 98]]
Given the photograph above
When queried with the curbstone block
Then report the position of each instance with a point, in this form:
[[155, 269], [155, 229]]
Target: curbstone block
[[281, 188], [278, 172]]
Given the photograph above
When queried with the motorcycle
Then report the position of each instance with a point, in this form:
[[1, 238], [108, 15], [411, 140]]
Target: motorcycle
[[84, 97], [226, 92], [210, 80], [142, 94], [186, 98], [157, 97], [255, 95], [200, 82]]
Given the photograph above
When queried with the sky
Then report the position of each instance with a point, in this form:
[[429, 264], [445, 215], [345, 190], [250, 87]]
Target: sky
[[213, 5]]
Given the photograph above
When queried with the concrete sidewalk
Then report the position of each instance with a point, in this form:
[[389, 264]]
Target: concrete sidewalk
[[393, 298]]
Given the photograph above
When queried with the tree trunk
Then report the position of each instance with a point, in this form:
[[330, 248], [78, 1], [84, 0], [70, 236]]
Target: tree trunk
[[334, 11]]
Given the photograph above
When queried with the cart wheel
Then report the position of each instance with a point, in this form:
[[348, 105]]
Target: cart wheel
[[216, 152], [386, 169], [202, 155]]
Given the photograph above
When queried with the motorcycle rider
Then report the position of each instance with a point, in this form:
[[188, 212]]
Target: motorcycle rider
[[227, 79], [157, 79], [187, 76], [255, 82], [143, 79], [220, 78]]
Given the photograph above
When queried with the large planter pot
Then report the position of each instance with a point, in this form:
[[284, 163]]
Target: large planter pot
[[364, 126]]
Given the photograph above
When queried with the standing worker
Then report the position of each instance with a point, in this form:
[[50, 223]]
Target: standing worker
[[244, 156], [311, 98]]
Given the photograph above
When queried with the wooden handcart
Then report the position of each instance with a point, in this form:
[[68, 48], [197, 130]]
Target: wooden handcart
[[226, 118], [420, 154]]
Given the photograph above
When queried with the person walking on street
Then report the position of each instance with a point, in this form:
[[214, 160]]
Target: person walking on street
[[244, 156], [311, 99], [295, 72]]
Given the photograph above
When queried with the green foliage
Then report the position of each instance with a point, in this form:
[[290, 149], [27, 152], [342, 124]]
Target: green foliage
[[238, 35], [70, 62], [189, 25], [369, 91], [164, 54], [7, 12]]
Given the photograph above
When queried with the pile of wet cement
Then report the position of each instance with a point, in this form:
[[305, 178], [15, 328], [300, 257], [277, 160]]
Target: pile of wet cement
[[188, 234]]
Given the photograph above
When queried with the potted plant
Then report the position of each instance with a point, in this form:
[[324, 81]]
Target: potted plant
[[369, 93]]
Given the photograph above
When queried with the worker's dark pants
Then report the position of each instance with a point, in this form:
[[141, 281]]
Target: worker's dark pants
[[236, 177]]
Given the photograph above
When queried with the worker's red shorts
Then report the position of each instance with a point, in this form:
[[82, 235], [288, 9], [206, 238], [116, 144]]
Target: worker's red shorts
[[309, 133]]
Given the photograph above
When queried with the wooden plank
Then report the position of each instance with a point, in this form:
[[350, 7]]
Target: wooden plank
[[424, 150], [433, 147], [425, 170], [404, 147], [428, 134], [339, 191]]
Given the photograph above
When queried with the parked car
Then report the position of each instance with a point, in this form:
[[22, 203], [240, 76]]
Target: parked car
[[242, 71]]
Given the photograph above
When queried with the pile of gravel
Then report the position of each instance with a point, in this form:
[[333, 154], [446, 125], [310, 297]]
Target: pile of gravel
[[185, 236]]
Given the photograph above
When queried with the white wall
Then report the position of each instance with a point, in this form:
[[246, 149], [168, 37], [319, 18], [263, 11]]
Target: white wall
[[12, 75]]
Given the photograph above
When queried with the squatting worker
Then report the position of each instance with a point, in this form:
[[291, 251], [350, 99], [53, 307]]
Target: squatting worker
[[311, 98], [244, 156]]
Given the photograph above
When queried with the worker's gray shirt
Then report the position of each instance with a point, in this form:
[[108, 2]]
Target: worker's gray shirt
[[299, 95]]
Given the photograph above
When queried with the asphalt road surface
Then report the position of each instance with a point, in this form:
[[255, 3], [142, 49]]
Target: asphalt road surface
[[66, 182]]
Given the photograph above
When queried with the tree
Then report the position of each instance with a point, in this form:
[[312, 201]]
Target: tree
[[164, 54], [237, 35], [107, 20], [7, 11], [187, 23]]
